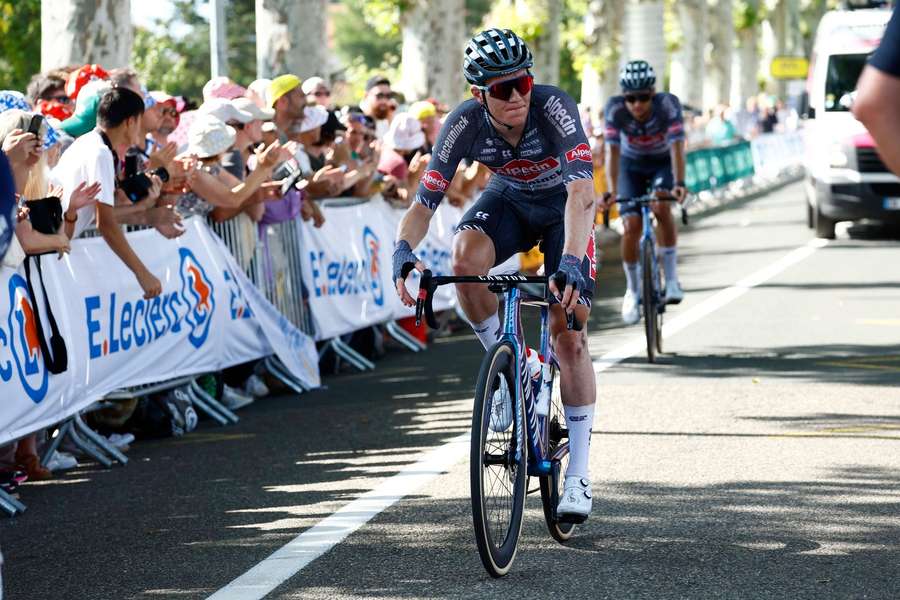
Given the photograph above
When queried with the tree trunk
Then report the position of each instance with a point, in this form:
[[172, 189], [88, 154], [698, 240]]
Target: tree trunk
[[721, 23], [85, 31], [643, 36], [291, 38], [686, 78], [748, 62], [546, 47], [434, 37], [599, 77]]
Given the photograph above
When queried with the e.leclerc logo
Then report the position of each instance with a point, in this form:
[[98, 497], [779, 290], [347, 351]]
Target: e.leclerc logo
[[24, 343], [349, 276], [114, 325]]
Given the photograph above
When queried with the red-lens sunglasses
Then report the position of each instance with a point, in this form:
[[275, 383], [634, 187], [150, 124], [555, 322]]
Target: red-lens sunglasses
[[503, 90]]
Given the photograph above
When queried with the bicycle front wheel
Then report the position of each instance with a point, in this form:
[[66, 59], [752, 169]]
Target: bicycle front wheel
[[498, 465], [648, 298], [552, 485]]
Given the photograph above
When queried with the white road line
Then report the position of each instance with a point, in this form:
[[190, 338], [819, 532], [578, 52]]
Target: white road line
[[325, 535], [638, 344]]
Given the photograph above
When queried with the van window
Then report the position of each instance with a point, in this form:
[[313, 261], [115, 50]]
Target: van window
[[840, 83]]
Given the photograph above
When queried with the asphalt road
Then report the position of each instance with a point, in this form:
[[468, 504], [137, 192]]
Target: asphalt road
[[757, 459]]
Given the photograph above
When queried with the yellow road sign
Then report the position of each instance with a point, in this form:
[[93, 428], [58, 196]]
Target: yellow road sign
[[789, 67]]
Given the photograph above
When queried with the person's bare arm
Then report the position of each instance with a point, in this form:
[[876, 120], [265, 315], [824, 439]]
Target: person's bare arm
[[579, 223], [413, 229], [111, 231], [876, 106], [613, 151], [677, 152]]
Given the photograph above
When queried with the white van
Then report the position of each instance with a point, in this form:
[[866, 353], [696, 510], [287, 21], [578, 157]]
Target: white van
[[845, 178]]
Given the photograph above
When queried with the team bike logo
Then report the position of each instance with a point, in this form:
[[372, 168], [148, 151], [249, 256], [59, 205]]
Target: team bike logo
[[197, 291], [526, 170], [371, 246], [580, 152], [434, 181], [24, 342]]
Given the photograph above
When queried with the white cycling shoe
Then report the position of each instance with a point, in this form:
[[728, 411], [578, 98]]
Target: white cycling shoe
[[631, 313], [501, 408], [674, 293], [575, 505]]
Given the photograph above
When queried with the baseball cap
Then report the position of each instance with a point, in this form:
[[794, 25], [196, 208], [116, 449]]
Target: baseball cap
[[422, 109], [310, 85], [258, 91], [280, 86], [225, 111], [209, 136], [405, 133], [222, 87], [85, 117], [377, 80], [313, 116], [163, 98], [247, 105]]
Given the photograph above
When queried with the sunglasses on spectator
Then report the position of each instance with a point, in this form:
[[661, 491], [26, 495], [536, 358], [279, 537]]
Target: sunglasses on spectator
[[633, 98], [62, 99], [237, 125], [170, 112], [325, 93], [384, 96], [503, 90]]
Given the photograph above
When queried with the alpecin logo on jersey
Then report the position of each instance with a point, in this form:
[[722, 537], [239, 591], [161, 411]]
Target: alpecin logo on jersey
[[434, 181], [564, 122], [23, 343], [580, 152], [526, 170]]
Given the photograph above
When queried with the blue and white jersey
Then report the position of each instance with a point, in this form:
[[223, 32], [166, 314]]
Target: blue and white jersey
[[553, 150], [654, 136]]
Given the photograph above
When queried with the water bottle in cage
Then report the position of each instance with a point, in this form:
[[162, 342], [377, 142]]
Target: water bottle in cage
[[540, 381]]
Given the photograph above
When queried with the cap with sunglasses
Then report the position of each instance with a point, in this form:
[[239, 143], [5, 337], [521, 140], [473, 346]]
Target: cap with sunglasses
[[377, 80]]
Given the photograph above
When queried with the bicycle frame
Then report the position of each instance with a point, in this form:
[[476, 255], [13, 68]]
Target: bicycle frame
[[539, 463], [647, 233]]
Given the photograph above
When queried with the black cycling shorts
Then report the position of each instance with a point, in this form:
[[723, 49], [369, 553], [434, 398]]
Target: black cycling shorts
[[638, 175], [516, 225]]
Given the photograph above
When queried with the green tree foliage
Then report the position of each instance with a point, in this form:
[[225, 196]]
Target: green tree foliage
[[179, 63], [20, 42]]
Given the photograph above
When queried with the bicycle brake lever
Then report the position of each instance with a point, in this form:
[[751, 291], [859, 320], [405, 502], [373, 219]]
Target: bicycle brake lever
[[684, 216]]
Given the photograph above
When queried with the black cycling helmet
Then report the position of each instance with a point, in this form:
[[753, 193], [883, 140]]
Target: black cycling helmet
[[637, 75], [494, 53]]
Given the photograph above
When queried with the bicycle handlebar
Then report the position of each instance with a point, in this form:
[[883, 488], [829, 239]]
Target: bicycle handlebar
[[648, 199], [429, 283]]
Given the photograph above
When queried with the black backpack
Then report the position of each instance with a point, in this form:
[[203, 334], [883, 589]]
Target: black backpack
[[170, 414]]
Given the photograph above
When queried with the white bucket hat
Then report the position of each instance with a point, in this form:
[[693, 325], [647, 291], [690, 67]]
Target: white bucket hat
[[405, 133], [313, 116], [247, 105], [209, 136], [225, 111]]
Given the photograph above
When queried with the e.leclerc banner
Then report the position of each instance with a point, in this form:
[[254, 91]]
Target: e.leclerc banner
[[208, 317], [346, 265]]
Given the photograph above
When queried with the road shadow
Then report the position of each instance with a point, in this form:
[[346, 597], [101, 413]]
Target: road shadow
[[834, 537]]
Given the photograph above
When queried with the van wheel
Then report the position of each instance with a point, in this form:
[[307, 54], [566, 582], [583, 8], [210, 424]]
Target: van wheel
[[824, 226]]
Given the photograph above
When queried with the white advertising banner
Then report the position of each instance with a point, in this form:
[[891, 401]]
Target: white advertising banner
[[208, 317], [347, 265]]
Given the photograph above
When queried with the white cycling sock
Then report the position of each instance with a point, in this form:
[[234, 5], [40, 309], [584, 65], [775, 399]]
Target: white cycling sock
[[579, 420], [488, 331], [633, 277], [669, 257]]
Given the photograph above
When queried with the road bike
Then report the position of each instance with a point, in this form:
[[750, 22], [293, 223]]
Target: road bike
[[652, 300], [532, 445]]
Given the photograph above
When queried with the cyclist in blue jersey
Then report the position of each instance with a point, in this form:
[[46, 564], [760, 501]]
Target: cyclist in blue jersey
[[645, 139], [530, 136]]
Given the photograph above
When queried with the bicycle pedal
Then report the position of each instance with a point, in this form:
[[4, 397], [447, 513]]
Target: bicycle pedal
[[572, 519]]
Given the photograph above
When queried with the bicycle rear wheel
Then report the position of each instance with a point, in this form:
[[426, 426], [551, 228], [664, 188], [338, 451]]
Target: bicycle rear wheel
[[552, 485], [498, 465], [648, 298]]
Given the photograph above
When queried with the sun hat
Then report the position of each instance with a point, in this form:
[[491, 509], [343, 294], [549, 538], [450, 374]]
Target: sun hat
[[225, 111], [280, 86], [222, 87], [209, 136], [422, 109], [310, 85], [247, 105], [84, 118], [313, 116], [405, 133], [258, 91]]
